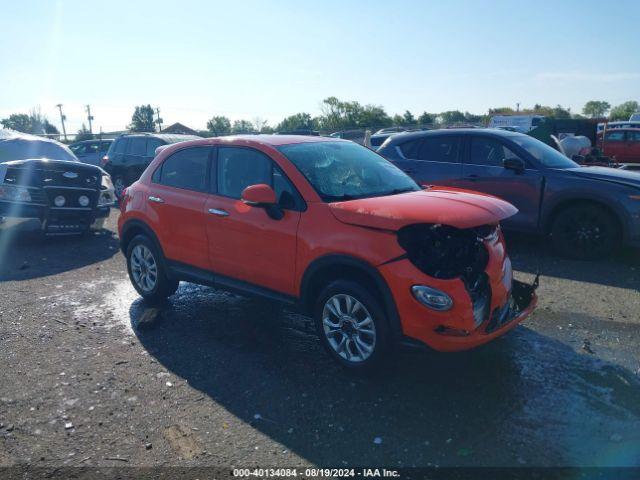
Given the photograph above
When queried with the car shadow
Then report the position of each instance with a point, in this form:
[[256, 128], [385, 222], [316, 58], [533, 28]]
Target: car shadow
[[26, 253], [523, 399], [528, 253]]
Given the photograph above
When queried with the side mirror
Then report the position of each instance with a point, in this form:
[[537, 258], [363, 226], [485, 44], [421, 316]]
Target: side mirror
[[260, 195], [514, 163], [579, 159]]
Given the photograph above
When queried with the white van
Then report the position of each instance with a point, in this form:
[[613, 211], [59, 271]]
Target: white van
[[523, 123]]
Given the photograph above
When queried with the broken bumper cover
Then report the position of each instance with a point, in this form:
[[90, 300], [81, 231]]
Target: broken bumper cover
[[456, 329]]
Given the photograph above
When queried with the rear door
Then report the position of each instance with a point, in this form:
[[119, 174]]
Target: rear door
[[245, 243], [135, 158], [432, 160], [614, 144], [633, 143], [483, 171], [175, 205]]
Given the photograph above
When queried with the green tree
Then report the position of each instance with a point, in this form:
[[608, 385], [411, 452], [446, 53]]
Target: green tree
[[624, 110], [19, 122], [299, 121], [219, 126], [398, 120], [560, 112], [451, 116], [242, 126], [472, 118], [339, 115], [33, 122], [142, 119], [83, 134], [426, 118], [408, 118], [596, 108]]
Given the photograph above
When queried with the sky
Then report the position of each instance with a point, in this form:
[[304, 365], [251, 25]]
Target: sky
[[269, 59]]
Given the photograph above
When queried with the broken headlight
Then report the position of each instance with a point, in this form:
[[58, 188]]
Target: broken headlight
[[11, 193], [445, 252]]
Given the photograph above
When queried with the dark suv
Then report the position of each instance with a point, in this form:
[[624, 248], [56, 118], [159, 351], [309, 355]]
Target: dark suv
[[587, 210], [130, 154]]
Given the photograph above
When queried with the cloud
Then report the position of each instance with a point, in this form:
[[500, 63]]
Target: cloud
[[586, 77]]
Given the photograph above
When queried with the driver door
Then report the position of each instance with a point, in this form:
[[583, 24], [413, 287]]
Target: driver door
[[245, 243], [483, 171]]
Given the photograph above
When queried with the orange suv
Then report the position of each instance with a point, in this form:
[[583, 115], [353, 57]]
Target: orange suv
[[332, 228]]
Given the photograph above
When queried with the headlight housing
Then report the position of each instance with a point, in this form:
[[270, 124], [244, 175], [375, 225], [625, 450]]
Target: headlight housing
[[107, 192], [432, 298], [14, 194]]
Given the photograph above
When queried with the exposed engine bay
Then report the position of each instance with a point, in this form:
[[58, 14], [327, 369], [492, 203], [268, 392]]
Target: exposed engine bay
[[446, 252]]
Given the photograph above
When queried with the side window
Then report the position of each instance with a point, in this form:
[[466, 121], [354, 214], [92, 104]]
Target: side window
[[186, 169], [240, 167], [78, 149], [152, 144], [104, 146], [439, 149], [489, 152], [410, 149], [137, 146], [121, 145], [633, 136], [287, 195], [92, 147], [615, 136]]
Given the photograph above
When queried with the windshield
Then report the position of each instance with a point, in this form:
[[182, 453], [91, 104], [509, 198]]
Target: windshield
[[547, 156], [21, 149], [346, 170]]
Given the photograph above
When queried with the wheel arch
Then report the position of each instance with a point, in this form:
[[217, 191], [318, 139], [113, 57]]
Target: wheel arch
[[135, 227], [328, 268]]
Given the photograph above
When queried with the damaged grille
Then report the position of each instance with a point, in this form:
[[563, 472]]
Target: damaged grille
[[446, 252]]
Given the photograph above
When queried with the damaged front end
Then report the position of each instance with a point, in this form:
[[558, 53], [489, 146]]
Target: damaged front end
[[476, 257]]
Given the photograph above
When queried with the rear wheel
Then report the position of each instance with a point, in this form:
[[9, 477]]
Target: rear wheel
[[584, 232], [351, 325], [146, 271]]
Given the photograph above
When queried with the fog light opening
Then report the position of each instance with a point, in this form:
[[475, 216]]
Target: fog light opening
[[83, 201], [432, 298], [59, 201]]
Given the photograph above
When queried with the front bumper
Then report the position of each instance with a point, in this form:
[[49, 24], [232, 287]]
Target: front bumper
[[55, 221], [456, 329]]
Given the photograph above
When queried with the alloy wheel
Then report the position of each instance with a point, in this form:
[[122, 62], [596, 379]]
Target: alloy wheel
[[349, 328], [144, 268]]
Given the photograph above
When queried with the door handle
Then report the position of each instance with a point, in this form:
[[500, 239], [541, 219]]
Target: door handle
[[218, 212], [153, 199]]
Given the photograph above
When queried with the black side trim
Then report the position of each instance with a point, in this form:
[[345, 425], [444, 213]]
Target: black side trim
[[181, 271], [372, 272]]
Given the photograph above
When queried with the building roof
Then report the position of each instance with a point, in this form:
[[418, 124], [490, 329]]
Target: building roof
[[179, 128]]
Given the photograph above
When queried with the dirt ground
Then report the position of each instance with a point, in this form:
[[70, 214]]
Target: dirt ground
[[91, 376]]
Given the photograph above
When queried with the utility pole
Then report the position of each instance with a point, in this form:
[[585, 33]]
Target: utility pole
[[89, 117], [517, 107], [62, 119], [159, 120]]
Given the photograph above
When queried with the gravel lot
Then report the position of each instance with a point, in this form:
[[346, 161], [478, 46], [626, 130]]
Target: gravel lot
[[90, 378]]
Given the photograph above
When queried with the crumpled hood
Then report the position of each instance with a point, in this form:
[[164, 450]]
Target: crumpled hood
[[616, 175], [447, 206]]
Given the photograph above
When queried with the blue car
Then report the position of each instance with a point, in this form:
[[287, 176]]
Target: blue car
[[91, 151], [588, 211]]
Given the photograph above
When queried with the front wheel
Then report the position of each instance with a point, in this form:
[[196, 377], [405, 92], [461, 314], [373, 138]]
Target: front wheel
[[351, 325], [146, 270], [584, 232]]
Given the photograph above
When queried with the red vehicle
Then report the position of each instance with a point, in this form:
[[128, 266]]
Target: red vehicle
[[623, 144], [334, 229]]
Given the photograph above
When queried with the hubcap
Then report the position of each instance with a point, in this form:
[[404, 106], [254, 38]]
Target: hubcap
[[349, 328], [585, 233], [144, 268]]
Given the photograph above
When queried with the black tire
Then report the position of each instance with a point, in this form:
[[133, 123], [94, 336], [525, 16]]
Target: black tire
[[163, 286], [380, 347], [585, 232]]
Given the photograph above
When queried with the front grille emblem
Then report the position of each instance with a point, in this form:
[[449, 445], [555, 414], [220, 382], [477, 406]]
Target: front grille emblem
[[70, 175]]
